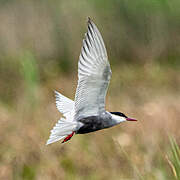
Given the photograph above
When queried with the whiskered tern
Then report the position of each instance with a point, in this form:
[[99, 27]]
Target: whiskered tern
[[87, 112]]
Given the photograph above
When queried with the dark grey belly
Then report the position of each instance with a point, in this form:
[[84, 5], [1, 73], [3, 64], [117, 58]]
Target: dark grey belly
[[92, 123]]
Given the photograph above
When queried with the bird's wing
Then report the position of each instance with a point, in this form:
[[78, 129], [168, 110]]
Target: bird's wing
[[64, 105], [94, 74], [65, 125]]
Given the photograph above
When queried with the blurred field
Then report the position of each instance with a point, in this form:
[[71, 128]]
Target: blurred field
[[40, 43]]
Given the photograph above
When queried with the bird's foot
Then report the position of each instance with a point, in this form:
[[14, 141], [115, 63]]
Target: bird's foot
[[68, 137]]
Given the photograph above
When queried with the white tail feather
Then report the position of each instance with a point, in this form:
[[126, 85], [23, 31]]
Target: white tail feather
[[64, 126], [62, 129]]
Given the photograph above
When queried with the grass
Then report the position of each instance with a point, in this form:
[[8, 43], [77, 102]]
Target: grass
[[129, 151], [174, 160]]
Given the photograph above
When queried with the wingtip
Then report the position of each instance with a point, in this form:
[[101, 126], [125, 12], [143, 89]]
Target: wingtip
[[55, 93], [89, 21]]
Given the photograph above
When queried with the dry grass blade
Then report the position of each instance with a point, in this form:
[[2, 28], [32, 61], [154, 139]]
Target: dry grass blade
[[175, 158]]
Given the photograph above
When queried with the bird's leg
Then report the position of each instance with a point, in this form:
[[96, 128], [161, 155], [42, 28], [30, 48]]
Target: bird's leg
[[68, 137]]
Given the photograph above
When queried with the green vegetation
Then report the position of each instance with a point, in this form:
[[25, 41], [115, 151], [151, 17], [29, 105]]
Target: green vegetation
[[175, 158], [40, 42]]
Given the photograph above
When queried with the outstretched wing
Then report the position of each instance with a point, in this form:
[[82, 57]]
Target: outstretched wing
[[65, 125], [94, 74], [64, 105]]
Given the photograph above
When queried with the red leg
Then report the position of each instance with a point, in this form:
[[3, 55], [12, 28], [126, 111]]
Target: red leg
[[68, 137]]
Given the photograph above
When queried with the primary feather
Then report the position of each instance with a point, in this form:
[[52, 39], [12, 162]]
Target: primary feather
[[94, 74], [64, 105]]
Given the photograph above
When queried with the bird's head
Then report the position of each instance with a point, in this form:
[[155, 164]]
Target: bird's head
[[120, 117]]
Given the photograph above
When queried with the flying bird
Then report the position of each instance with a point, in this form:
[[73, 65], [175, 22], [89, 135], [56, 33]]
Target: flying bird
[[87, 112]]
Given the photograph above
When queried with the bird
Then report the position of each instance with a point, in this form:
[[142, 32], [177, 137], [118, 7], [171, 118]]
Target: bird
[[87, 112]]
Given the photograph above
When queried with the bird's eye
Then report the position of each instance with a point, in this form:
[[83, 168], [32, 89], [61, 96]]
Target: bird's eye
[[119, 114]]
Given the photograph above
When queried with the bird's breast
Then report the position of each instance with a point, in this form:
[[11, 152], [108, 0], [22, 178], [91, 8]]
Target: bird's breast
[[93, 123]]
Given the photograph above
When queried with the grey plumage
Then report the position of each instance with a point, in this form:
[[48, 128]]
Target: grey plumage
[[95, 123], [87, 113], [94, 74]]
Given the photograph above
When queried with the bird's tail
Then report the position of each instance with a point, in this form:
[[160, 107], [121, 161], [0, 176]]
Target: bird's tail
[[63, 129]]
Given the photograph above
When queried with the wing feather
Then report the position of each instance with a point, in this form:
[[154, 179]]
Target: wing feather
[[94, 74], [64, 105]]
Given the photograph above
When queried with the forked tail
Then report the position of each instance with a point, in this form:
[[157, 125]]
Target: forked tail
[[62, 129], [65, 127]]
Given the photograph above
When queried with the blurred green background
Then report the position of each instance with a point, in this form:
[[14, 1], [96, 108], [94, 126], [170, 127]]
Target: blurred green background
[[40, 43]]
